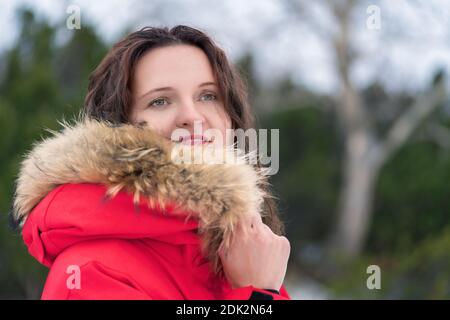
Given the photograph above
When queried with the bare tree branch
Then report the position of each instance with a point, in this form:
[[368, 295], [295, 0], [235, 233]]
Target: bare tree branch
[[402, 129], [438, 134], [301, 11]]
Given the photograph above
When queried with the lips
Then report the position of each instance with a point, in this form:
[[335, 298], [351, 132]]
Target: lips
[[195, 139]]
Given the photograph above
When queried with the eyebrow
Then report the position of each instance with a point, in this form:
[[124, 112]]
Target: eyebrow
[[204, 84]]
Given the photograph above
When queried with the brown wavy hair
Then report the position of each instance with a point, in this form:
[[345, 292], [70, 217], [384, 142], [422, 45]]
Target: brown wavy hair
[[109, 90]]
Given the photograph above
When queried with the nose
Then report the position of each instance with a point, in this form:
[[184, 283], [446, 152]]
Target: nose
[[188, 115]]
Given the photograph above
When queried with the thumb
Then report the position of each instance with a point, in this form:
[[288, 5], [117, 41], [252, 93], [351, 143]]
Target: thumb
[[223, 250]]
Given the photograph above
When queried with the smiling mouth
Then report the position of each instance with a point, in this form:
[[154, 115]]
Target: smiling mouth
[[194, 140]]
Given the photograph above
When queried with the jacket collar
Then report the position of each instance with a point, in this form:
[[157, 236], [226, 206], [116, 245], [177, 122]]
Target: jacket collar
[[139, 161]]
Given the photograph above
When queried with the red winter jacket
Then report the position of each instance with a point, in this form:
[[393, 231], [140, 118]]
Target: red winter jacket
[[114, 217]]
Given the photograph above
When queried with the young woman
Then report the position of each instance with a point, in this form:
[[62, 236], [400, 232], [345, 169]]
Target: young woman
[[106, 207]]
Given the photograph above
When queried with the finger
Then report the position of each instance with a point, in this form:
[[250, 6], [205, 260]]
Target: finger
[[224, 249], [256, 222], [240, 226], [249, 224], [267, 228], [245, 226]]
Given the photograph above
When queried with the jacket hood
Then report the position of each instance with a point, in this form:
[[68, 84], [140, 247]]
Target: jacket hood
[[137, 161]]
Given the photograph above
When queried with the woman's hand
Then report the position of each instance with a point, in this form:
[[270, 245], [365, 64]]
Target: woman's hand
[[256, 256]]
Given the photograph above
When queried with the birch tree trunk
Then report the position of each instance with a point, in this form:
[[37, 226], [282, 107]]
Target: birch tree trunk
[[360, 170], [365, 152]]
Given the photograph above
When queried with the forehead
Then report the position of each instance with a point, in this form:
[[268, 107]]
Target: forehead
[[176, 65]]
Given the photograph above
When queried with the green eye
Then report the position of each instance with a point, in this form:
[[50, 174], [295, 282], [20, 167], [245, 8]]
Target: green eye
[[158, 102], [208, 97]]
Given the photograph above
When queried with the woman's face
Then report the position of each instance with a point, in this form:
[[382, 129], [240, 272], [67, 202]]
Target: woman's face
[[174, 88]]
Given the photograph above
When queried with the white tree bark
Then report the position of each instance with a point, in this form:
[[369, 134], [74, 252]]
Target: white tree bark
[[365, 153]]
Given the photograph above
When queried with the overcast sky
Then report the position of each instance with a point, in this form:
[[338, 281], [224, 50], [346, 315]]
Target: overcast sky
[[413, 39]]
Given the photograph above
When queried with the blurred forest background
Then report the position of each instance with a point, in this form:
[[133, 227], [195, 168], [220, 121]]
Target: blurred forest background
[[364, 167]]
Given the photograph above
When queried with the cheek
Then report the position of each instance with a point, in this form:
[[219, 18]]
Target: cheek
[[221, 120], [160, 122]]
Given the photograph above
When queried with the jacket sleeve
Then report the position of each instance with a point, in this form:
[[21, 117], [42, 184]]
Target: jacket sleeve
[[252, 293], [96, 282]]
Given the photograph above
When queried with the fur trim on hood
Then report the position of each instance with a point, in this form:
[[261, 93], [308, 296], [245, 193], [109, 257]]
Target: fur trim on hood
[[141, 162]]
